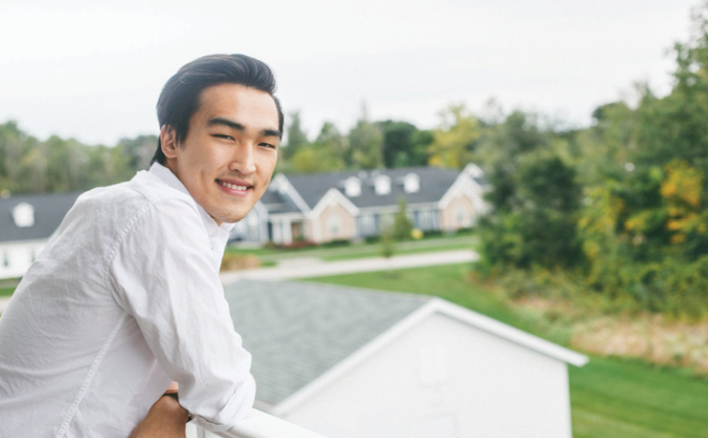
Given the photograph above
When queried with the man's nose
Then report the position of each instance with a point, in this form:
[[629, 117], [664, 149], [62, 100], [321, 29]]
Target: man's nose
[[243, 160]]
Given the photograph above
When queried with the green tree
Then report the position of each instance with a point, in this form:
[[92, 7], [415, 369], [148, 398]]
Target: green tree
[[454, 140], [403, 144], [402, 226], [366, 142], [296, 137], [138, 151]]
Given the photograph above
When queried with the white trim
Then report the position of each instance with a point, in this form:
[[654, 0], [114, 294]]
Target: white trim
[[282, 181], [473, 170], [258, 424], [333, 196], [458, 187], [435, 305], [504, 331]]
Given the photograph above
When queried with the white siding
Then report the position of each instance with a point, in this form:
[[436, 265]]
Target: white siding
[[444, 376], [16, 257]]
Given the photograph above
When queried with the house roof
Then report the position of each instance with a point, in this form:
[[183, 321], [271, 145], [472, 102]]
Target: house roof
[[434, 183], [297, 331], [303, 335], [274, 202], [49, 211]]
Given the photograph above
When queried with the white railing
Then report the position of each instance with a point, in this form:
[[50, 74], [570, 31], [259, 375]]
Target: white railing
[[257, 424]]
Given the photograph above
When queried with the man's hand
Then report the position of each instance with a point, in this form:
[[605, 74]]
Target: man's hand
[[166, 419]]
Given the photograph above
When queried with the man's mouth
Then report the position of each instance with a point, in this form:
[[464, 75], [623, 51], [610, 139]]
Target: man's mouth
[[233, 186]]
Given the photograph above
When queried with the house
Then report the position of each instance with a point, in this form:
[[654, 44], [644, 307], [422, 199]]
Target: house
[[354, 205], [348, 362], [26, 224]]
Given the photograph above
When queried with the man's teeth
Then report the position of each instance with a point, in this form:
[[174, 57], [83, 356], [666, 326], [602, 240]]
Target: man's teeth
[[233, 186]]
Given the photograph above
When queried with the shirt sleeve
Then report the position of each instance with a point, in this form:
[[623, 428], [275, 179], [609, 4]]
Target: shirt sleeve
[[164, 274]]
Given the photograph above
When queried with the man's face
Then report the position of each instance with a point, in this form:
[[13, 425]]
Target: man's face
[[231, 149]]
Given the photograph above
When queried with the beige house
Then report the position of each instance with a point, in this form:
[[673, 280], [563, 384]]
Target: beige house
[[354, 205]]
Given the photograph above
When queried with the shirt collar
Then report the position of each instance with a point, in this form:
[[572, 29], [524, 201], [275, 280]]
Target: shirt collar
[[172, 181]]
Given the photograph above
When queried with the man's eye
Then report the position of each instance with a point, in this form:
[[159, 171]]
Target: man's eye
[[268, 145], [227, 137]]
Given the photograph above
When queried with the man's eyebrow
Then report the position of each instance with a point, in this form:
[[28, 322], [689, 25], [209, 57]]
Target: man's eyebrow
[[271, 133], [226, 122], [239, 127]]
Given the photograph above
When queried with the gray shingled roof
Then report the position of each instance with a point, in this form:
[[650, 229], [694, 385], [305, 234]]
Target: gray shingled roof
[[49, 211], [434, 183], [275, 203], [297, 331]]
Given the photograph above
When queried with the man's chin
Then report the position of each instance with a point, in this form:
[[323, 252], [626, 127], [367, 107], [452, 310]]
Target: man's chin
[[232, 218]]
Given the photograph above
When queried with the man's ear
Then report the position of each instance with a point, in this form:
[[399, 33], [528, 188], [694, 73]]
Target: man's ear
[[168, 141]]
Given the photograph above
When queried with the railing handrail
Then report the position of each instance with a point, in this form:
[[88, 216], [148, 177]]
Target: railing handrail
[[258, 424]]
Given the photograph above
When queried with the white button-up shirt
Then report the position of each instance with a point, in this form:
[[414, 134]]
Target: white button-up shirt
[[124, 299]]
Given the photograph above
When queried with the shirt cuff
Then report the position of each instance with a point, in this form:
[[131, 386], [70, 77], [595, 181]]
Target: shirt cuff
[[234, 411]]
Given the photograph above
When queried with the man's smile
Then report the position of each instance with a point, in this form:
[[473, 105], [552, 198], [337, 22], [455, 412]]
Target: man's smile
[[239, 188]]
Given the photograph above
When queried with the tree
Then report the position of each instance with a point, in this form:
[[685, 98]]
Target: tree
[[454, 140], [296, 137], [402, 226], [138, 151], [366, 141], [536, 225], [325, 154], [403, 144]]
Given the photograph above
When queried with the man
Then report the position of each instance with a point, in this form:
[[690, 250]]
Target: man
[[125, 299]]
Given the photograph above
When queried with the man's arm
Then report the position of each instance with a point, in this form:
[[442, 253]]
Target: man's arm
[[163, 274]]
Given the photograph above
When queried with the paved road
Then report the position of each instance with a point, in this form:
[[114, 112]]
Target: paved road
[[315, 268], [312, 267]]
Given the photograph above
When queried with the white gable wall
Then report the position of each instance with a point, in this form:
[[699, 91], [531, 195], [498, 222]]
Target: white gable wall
[[444, 378]]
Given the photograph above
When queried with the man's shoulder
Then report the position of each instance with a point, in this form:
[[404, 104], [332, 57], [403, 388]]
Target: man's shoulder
[[117, 205], [144, 189]]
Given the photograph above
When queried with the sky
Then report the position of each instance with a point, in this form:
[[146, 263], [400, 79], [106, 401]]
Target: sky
[[94, 70]]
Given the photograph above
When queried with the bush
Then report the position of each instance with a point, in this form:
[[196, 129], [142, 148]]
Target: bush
[[337, 243]]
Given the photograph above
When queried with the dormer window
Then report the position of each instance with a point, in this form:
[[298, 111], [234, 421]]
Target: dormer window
[[352, 187], [411, 183], [382, 185], [23, 215]]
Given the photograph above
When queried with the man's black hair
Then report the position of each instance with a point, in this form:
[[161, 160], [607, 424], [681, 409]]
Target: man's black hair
[[180, 97]]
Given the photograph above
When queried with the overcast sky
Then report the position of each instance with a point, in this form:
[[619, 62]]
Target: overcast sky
[[93, 70]]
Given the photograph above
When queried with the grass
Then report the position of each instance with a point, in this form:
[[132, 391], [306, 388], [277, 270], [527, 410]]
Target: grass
[[610, 397], [6, 291]]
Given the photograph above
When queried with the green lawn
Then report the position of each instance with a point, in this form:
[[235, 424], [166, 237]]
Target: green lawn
[[6, 291], [609, 397]]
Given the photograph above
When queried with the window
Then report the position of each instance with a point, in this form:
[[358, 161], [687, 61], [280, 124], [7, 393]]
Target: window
[[334, 225], [352, 187], [368, 224], [382, 185], [411, 183], [23, 215], [425, 219], [5, 259]]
